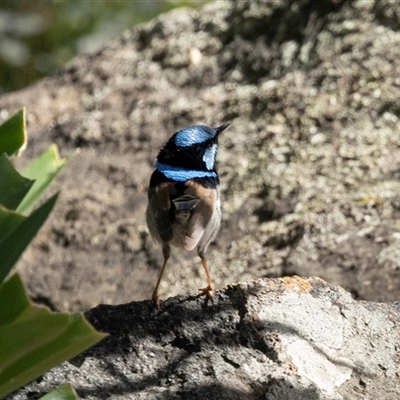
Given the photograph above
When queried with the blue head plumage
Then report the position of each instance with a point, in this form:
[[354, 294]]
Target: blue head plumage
[[195, 134], [190, 153]]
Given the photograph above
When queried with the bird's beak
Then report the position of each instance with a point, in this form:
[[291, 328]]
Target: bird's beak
[[222, 128]]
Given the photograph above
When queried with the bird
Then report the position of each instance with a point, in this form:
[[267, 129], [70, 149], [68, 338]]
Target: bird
[[184, 206]]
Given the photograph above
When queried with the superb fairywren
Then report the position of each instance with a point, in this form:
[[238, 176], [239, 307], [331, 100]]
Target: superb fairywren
[[184, 208]]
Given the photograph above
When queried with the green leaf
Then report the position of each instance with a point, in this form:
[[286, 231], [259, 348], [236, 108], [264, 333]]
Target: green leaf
[[64, 392], [9, 221], [34, 339], [13, 186], [43, 170], [13, 134], [15, 243]]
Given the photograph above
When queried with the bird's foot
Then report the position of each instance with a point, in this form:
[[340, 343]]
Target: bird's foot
[[208, 291]]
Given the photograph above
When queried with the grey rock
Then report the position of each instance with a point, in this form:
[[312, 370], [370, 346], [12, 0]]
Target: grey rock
[[288, 338], [310, 186]]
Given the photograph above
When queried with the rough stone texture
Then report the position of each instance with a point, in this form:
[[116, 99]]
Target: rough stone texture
[[288, 338], [309, 168], [310, 174]]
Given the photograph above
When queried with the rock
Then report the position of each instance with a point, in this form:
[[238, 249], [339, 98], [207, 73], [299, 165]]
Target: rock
[[288, 338], [310, 186]]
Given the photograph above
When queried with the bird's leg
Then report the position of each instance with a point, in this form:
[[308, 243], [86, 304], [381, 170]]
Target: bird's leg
[[166, 252], [208, 291]]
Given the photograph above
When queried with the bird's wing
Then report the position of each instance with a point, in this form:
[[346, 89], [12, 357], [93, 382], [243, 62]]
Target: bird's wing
[[201, 213], [160, 206]]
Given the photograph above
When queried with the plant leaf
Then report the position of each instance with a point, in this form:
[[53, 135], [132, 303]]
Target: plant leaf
[[64, 392], [13, 134], [9, 220], [13, 186], [34, 339], [42, 170], [15, 243]]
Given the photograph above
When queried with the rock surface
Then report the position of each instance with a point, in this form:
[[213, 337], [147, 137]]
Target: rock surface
[[288, 338], [310, 174]]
